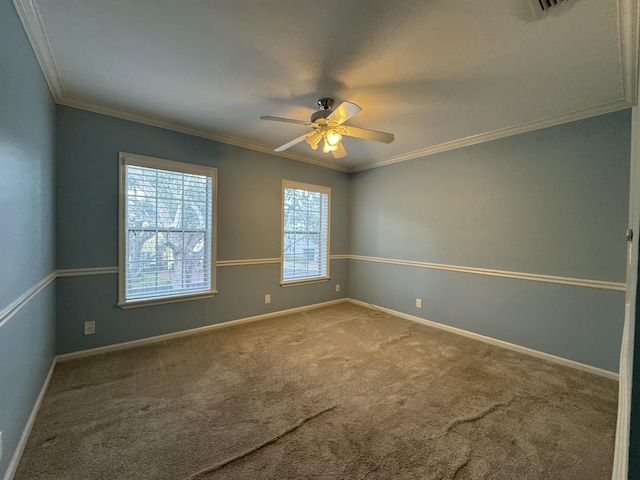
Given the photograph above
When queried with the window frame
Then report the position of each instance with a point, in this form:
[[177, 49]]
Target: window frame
[[291, 184], [126, 159]]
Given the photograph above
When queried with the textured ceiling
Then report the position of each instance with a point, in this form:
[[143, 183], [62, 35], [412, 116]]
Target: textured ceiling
[[437, 74]]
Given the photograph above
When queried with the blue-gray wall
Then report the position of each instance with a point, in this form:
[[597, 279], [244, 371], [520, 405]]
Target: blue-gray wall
[[27, 249], [249, 222], [550, 202]]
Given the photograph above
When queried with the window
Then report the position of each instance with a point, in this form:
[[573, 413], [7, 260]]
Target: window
[[305, 232], [167, 231]]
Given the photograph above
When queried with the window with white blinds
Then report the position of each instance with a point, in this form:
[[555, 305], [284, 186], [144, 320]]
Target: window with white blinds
[[305, 232], [167, 231]]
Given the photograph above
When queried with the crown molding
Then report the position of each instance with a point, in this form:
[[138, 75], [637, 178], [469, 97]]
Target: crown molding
[[154, 121], [33, 27], [501, 133], [629, 29], [628, 21]]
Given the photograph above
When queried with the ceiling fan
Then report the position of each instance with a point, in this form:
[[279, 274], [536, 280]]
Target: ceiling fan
[[328, 124]]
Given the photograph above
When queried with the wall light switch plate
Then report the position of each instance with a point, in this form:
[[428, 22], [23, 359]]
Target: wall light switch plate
[[89, 328], [267, 298], [337, 287], [418, 303]]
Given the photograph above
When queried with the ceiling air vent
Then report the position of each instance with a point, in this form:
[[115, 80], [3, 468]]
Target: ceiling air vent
[[540, 7]]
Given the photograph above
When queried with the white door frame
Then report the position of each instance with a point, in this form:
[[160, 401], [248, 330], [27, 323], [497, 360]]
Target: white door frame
[[621, 456]]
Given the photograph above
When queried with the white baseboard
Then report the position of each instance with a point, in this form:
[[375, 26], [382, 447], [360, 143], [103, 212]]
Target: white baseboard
[[498, 343], [161, 338], [476, 336], [17, 454]]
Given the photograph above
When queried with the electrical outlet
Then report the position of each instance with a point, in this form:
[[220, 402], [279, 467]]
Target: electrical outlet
[[418, 303], [267, 298], [89, 328], [337, 287]]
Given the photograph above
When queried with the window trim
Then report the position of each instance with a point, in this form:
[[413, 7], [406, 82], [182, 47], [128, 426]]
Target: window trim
[[311, 188], [161, 164]]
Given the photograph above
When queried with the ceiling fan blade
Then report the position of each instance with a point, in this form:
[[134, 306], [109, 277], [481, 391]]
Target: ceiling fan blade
[[344, 112], [291, 143], [366, 134], [286, 120], [339, 152]]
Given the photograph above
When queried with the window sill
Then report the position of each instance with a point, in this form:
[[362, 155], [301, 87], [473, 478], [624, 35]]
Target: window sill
[[295, 283], [164, 300]]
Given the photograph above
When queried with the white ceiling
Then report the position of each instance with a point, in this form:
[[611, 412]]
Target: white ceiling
[[438, 74]]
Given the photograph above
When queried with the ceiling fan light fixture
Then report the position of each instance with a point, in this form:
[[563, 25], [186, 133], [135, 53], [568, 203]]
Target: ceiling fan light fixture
[[313, 139], [329, 148], [331, 141], [332, 138], [327, 124]]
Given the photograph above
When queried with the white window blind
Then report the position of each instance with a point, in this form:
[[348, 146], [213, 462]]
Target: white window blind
[[167, 223], [305, 233]]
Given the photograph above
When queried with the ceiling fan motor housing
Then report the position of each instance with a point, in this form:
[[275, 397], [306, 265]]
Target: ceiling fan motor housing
[[326, 104]]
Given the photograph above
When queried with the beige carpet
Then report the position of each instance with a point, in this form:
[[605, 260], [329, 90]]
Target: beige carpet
[[334, 393]]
